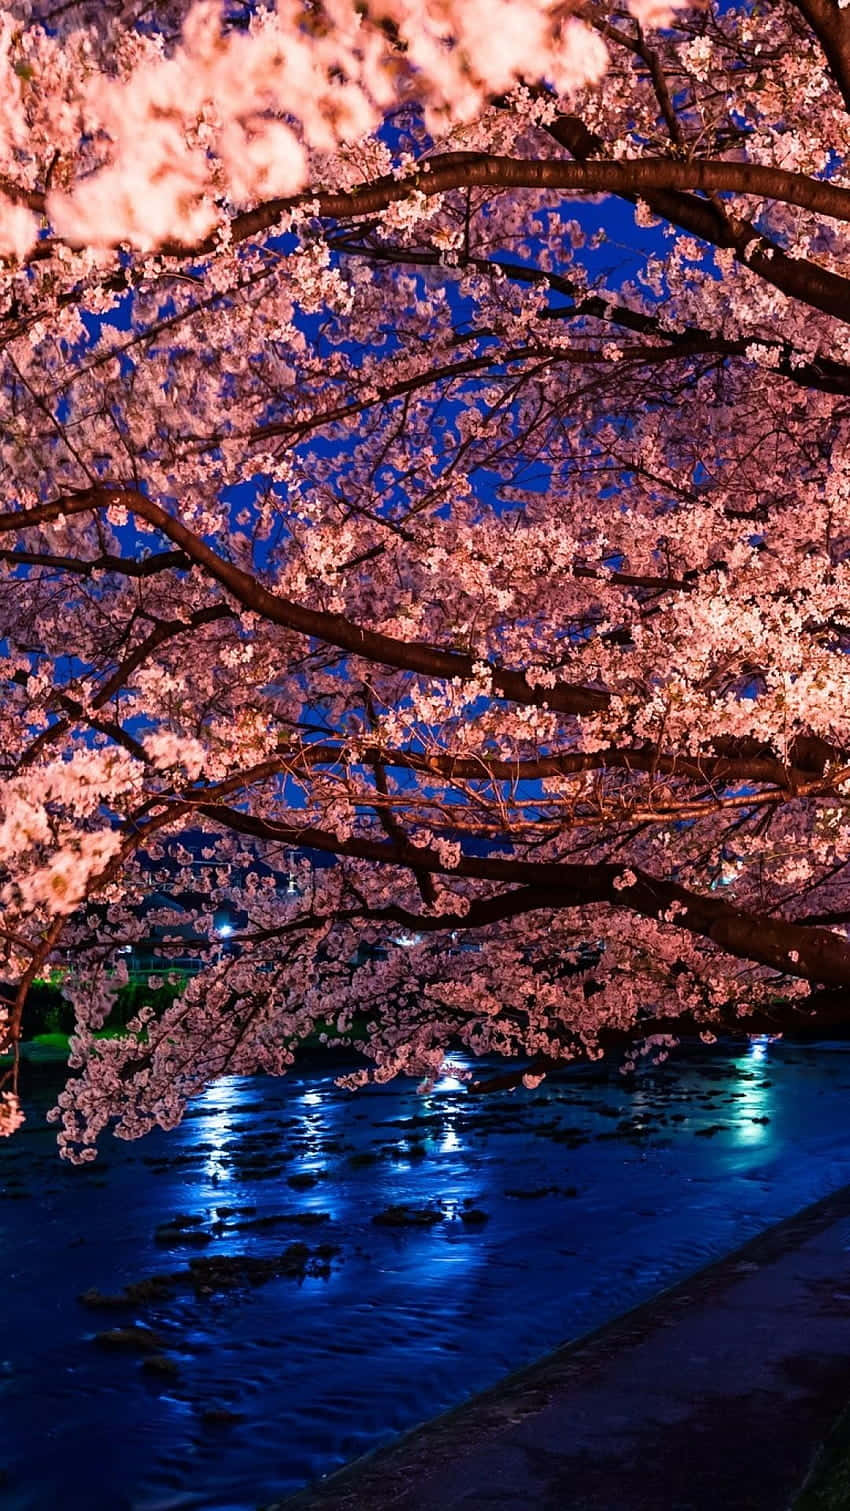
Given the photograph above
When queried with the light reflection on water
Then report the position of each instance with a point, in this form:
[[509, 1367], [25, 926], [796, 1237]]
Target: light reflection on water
[[446, 1083], [218, 1108], [756, 1104], [595, 1193]]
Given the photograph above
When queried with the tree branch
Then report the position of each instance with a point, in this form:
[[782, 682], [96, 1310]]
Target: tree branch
[[821, 956], [333, 629]]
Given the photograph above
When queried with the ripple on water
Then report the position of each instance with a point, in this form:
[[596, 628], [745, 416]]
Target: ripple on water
[[597, 1192]]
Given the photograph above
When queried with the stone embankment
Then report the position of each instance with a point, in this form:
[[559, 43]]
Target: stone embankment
[[717, 1393]]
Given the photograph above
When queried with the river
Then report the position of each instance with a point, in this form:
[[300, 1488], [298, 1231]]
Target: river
[[526, 1219]]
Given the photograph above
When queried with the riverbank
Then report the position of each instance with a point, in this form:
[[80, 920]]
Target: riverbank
[[54, 1049], [719, 1392], [45, 1049], [467, 1236]]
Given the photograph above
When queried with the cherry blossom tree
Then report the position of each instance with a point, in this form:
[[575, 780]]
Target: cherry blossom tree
[[426, 443]]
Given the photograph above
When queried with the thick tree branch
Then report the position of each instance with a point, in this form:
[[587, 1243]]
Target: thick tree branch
[[813, 954], [641, 176], [124, 566], [718, 769], [663, 182], [830, 23], [333, 629]]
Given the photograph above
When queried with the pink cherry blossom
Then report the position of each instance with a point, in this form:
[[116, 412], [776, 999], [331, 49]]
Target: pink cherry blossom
[[425, 539]]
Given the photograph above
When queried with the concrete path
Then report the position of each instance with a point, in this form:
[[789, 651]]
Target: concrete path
[[712, 1397]]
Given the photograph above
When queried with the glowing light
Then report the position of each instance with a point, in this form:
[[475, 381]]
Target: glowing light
[[754, 1100], [218, 1126], [448, 1083], [449, 1079]]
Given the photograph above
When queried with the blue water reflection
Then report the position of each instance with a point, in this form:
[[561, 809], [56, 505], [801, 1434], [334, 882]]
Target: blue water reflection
[[553, 1209]]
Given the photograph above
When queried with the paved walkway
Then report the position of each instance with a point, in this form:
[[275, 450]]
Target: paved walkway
[[712, 1397]]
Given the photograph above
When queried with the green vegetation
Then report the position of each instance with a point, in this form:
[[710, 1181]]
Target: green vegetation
[[827, 1486], [49, 1018], [52, 1049]]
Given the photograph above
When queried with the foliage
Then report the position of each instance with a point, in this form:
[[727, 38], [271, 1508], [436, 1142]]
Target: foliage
[[425, 445], [827, 1484]]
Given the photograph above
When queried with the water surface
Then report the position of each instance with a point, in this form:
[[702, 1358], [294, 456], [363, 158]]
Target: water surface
[[596, 1193]]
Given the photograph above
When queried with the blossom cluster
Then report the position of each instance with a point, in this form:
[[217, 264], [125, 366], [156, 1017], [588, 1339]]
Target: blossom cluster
[[458, 608]]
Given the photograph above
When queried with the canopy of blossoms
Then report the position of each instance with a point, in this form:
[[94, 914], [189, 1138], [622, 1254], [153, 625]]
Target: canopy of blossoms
[[425, 444]]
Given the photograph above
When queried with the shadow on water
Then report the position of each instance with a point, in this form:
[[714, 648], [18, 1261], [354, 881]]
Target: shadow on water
[[297, 1274]]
